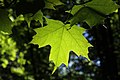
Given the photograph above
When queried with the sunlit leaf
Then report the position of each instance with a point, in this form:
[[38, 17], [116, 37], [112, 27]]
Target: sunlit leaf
[[62, 40]]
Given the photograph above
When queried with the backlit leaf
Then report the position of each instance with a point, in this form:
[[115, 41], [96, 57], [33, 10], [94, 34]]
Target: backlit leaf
[[62, 40]]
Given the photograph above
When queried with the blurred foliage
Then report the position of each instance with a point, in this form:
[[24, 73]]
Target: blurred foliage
[[8, 49]]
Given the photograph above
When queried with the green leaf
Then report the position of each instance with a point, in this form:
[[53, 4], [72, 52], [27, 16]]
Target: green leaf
[[75, 9], [55, 2], [49, 4], [5, 22], [28, 18], [103, 6], [62, 40], [92, 12], [86, 15], [38, 16]]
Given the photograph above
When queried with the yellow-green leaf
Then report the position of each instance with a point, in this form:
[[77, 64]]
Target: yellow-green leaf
[[62, 40], [18, 70]]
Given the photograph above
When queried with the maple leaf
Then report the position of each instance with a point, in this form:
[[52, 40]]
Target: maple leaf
[[62, 40]]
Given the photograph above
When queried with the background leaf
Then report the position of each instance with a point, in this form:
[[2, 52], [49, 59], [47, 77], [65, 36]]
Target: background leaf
[[101, 6], [49, 4], [86, 15], [5, 22], [92, 12], [38, 16]]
